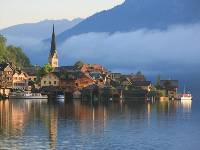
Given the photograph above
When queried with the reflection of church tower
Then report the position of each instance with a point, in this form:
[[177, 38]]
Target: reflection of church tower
[[53, 55]]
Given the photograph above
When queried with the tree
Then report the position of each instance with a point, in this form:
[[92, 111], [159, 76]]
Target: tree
[[48, 68], [44, 70], [2, 48], [13, 54], [158, 82], [79, 64]]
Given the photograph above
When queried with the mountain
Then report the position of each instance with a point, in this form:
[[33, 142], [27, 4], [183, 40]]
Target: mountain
[[39, 30], [137, 14]]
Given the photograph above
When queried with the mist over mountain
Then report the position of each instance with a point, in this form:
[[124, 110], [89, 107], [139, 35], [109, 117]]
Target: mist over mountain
[[29, 36], [155, 36], [138, 14], [39, 30]]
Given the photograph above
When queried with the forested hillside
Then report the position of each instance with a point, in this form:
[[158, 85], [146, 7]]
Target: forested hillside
[[13, 54]]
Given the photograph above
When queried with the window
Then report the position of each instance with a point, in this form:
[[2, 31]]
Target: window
[[34, 79], [44, 82], [54, 82], [50, 82]]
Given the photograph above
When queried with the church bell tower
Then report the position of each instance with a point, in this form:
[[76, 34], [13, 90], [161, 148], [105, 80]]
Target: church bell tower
[[53, 55]]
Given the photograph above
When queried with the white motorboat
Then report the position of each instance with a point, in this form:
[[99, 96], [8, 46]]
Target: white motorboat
[[186, 96], [60, 98], [27, 95]]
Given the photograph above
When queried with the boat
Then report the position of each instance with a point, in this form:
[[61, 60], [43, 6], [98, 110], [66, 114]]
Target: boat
[[27, 95], [186, 96], [61, 98]]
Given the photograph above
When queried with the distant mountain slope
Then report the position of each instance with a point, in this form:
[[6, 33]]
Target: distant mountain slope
[[39, 30], [137, 14]]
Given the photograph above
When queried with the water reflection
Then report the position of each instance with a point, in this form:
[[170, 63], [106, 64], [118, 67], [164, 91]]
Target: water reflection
[[43, 124], [187, 105]]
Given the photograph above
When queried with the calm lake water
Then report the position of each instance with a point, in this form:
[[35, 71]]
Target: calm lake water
[[26, 124]]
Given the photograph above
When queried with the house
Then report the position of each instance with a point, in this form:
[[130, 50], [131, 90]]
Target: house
[[68, 85], [124, 81], [6, 75], [98, 77], [93, 68], [32, 72], [50, 79], [171, 87], [115, 76], [20, 80], [144, 85], [72, 81], [84, 81]]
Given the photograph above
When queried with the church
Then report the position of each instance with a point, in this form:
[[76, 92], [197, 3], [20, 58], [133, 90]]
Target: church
[[53, 59], [53, 55]]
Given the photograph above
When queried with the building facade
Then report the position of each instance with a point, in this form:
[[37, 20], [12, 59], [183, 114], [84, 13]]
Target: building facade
[[20, 80], [6, 75], [50, 79]]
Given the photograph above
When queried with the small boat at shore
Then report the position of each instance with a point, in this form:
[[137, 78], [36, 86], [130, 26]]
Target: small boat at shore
[[61, 98], [27, 95], [186, 96]]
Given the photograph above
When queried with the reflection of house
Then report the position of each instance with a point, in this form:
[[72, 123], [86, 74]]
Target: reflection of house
[[145, 85], [170, 86], [12, 118], [20, 80], [50, 79]]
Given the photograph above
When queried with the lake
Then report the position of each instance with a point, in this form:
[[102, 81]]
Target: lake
[[39, 124]]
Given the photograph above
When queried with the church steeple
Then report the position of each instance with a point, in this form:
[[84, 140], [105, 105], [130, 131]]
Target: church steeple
[[53, 42], [53, 55]]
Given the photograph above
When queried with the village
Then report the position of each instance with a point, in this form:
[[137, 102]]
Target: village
[[81, 81]]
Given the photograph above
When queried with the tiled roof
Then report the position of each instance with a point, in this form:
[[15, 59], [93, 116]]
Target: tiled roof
[[169, 83], [31, 71], [141, 83], [4, 65], [65, 68]]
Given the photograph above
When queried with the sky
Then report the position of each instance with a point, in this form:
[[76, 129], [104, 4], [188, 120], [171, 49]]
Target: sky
[[27, 11]]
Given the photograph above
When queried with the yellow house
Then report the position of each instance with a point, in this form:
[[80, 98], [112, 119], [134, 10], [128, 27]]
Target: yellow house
[[50, 79], [20, 80]]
